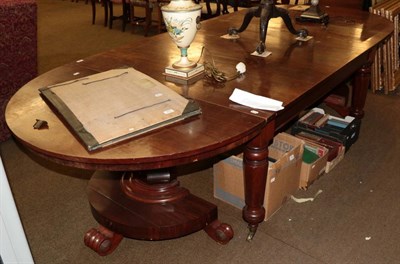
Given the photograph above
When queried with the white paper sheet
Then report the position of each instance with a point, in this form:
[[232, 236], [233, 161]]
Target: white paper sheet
[[255, 101]]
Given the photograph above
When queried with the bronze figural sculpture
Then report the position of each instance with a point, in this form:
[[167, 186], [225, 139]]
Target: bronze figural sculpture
[[265, 11]]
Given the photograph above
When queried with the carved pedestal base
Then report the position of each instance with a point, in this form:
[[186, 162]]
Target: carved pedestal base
[[129, 207]]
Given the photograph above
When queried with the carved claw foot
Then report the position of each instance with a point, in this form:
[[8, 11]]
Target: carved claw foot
[[252, 232], [102, 240], [220, 232]]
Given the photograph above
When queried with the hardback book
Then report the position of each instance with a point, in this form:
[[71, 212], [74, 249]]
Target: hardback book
[[331, 145], [312, 118], [112, 106]]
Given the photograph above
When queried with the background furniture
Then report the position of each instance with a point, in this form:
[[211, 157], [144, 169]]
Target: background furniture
[[210, 9], [147, 21], [148, 10], [104, 4], [386, 73], [160, 19], [125, 16], [213, 8], [18, 51]]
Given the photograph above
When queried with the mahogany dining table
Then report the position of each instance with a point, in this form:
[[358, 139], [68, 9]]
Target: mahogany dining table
[[136, 192]]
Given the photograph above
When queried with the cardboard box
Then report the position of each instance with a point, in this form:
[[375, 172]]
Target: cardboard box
[[314, 163], [282, 180], [343, 130], [331, 164], [336, 150]]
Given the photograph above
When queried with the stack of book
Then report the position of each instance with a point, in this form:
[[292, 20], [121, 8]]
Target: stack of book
[[332, 146], [314, 162], [342, 130], [323, 132]]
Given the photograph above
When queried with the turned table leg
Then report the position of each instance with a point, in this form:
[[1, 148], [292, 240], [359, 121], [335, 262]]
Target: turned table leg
[[361, 83], [360, 86], [255, 177]]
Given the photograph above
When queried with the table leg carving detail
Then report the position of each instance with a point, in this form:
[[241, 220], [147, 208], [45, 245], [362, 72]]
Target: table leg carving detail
[[102, 240], [255, 177], [220, 232]]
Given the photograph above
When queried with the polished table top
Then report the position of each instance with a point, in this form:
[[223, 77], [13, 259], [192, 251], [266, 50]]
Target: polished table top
[[297, 73]]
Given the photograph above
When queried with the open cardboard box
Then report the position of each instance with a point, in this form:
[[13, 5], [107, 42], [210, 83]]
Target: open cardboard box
[[313, 167], [282, 179], [344, 130], [331, 164]]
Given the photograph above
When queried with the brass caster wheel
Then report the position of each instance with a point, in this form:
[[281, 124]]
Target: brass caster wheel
[[252, 232]]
